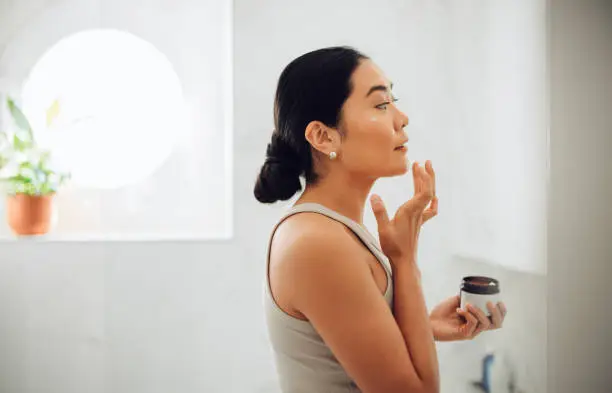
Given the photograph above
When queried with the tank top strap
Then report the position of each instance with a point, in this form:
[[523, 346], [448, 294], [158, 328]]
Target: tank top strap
[[364, 235]]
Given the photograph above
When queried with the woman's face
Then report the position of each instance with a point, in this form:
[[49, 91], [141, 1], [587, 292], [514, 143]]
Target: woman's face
[[372, 127]]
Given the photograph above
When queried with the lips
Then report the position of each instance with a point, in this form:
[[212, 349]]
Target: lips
[[402, 146]]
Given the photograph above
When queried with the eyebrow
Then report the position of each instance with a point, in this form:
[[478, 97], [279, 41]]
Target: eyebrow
[[380, 88]]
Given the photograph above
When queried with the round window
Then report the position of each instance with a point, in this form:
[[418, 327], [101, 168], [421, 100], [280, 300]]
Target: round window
[[108, 104]]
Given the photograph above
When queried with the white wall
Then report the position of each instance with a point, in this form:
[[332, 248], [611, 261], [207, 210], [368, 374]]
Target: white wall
[[580, 352], [186, 316]]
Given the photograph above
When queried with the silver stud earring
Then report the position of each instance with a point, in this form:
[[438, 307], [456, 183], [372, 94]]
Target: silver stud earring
[[332, 155]]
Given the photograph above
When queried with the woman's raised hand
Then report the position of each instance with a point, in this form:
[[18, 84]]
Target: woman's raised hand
[[399, 235]]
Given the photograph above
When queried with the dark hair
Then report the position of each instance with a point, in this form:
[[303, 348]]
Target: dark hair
[[312, 87]]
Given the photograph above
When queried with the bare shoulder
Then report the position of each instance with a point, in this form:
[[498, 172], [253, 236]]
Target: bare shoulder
[[311, 240], [307, 248]]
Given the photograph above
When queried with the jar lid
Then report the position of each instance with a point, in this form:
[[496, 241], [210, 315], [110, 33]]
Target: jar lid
[[480, 285]]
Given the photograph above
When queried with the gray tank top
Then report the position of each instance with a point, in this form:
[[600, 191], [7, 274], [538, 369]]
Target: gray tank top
[[304, 362]]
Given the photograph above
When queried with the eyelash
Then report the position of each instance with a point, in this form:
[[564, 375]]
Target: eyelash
[[386, 103]]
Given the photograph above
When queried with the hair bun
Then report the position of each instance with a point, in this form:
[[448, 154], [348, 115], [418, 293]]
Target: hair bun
[[279, 177]]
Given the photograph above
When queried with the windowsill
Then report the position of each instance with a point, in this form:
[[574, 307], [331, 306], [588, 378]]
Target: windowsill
[[59, 238]]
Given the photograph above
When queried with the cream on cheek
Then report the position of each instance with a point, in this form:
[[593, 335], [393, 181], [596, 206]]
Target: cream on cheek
[[378, 123]]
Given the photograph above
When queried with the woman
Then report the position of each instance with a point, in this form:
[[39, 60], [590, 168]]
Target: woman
[[346, 313]]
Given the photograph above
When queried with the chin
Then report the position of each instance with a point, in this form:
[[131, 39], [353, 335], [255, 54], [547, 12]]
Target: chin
[[401, 171], [402, 168], [397, 171], [392, 169]]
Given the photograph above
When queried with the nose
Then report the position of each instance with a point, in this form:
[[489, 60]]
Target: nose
[[402, 120]]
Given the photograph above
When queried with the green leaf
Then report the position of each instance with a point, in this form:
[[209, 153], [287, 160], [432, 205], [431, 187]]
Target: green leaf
[[20, 179], [44, 189], [20, 119], [26, 165], [19, 144]]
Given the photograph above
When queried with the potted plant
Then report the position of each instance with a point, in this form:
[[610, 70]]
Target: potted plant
[[26, 174]]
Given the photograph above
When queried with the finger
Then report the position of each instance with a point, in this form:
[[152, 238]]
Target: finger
[[470, 325], [415, 177], [454, 300], [432, 175], [434, 205], [496, 316], [502, 308], [432, 211], [424, 194], [425, 180], [481, 317], [483, 320], [481, 328], [380, 212], [421, 182]]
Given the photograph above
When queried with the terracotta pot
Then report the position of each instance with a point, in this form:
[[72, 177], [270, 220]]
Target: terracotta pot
[[29, 214]]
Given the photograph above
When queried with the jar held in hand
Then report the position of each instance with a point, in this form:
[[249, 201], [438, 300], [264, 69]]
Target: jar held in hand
[[478, 291]]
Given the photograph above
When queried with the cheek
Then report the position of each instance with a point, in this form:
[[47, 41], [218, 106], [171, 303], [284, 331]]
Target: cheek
[[370, 141], [379, 130]]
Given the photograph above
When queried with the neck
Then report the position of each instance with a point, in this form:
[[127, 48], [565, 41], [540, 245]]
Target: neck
[[341, 193]]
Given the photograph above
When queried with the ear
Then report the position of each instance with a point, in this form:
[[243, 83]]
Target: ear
[[322, 138]]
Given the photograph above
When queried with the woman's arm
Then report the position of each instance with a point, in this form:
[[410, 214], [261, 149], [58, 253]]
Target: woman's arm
[[412, 318]]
